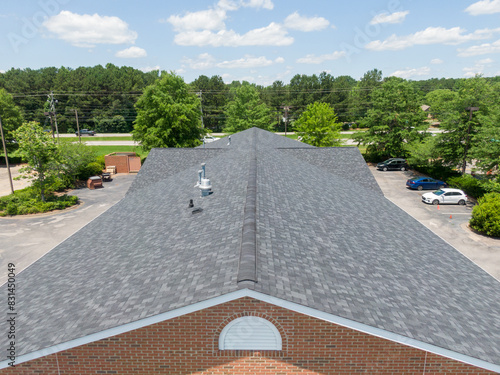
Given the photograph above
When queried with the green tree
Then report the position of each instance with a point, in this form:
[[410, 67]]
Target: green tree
[[246, 110], [213, 94], [394, 120], [462, 118], [318, 126], [75, 157], [276, 97], [11, 118], [168, 115], [486, 149], [360, 97], [40, 152], [441, 102]]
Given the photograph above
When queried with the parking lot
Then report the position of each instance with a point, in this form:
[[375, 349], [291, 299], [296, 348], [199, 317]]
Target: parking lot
[[450, 222]]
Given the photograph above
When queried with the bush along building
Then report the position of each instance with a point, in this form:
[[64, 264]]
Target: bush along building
[[255, 255]]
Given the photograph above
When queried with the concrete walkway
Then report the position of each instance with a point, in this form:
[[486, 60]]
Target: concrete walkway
[[4, 180]]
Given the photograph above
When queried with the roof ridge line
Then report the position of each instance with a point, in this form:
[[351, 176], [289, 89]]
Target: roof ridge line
[[247, 267]]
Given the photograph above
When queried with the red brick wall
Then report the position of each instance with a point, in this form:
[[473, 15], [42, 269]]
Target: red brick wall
[[119, 161], [134, 163], [189, 345]]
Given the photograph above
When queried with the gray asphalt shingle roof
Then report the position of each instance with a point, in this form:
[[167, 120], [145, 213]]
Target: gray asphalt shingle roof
[[323, 235]]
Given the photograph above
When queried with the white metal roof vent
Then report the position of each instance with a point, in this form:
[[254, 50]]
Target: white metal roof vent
[[204, 183]]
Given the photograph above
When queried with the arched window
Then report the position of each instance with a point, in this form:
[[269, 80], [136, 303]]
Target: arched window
[[250, 333]]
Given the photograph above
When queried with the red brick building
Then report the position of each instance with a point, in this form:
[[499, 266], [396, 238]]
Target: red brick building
[[277, 271]]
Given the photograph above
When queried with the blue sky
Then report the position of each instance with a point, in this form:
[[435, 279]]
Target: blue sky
[[259, 41]]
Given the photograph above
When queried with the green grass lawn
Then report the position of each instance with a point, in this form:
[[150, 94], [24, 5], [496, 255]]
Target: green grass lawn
[[105, 150], [84, 139]]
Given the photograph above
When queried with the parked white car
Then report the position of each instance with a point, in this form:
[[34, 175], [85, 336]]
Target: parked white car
[[209, 138], [445, 196]]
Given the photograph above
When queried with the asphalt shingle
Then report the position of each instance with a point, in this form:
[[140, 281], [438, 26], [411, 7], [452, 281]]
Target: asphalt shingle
[[325, 237]]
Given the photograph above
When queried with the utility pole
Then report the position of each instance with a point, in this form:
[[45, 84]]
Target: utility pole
[[78, 126], [52, 112], [6, 157], [467, 141], [286, 108], [201, 107]]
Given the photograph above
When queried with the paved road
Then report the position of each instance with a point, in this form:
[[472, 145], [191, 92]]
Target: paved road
[[449, 221], [23, 240]]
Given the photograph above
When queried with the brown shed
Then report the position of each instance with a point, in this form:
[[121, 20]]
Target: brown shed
[[125, 162]]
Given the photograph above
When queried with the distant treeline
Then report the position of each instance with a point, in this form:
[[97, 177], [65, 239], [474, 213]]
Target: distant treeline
[[104, 97]]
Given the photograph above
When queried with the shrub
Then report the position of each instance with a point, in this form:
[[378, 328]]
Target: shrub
[[469, 184], [27, 201], [486, 215], [91, 169]]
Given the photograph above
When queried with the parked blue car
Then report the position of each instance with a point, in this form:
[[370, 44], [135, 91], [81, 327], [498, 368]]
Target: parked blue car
[[421, 183]]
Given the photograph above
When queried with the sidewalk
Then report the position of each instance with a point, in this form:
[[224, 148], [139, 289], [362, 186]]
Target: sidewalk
[[4, 180]]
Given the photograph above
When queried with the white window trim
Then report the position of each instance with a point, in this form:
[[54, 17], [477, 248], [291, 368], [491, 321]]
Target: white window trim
[[254, 319]]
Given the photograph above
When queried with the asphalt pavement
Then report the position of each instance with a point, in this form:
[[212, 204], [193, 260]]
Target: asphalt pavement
[[450, 222]]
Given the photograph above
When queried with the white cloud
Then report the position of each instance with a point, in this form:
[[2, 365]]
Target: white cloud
[[484, 7], [478, 68], [486, 61], [227, 5], [2, 71], [212, 19], [131, 53], [431, 35], [148, 69], [408, 73], [88, 30], [437, 61], [203, 61], [297, 22], [482, 49], [207, 61], [266, 4], [272, 35], [396, 17], [313, 59], [249, 62]]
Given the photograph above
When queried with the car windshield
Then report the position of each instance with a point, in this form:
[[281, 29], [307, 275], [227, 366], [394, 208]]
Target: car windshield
[[438, 192]]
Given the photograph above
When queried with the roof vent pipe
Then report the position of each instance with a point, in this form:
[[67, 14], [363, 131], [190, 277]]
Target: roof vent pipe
[[203, 182], [200, 174], [229, 141]]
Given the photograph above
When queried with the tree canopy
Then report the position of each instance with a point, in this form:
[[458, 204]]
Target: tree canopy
[[394, 120], [462, 115], [168, 115], [318, 125], [246, 110], [39, 150], [11, 117]]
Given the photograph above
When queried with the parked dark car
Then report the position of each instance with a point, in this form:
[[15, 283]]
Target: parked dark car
[[85, 132], [393, 164], [421, 183]]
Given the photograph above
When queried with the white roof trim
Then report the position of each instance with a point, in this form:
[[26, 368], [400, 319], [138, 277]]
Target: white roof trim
[[265, 298]]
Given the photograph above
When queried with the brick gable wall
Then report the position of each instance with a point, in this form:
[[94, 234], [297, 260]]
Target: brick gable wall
[[189, 345]]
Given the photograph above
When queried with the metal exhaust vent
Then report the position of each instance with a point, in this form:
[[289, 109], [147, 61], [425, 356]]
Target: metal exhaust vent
[[203, 182]]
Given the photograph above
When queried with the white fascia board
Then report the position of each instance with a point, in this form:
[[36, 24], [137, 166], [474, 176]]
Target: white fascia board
[[394, 337]]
